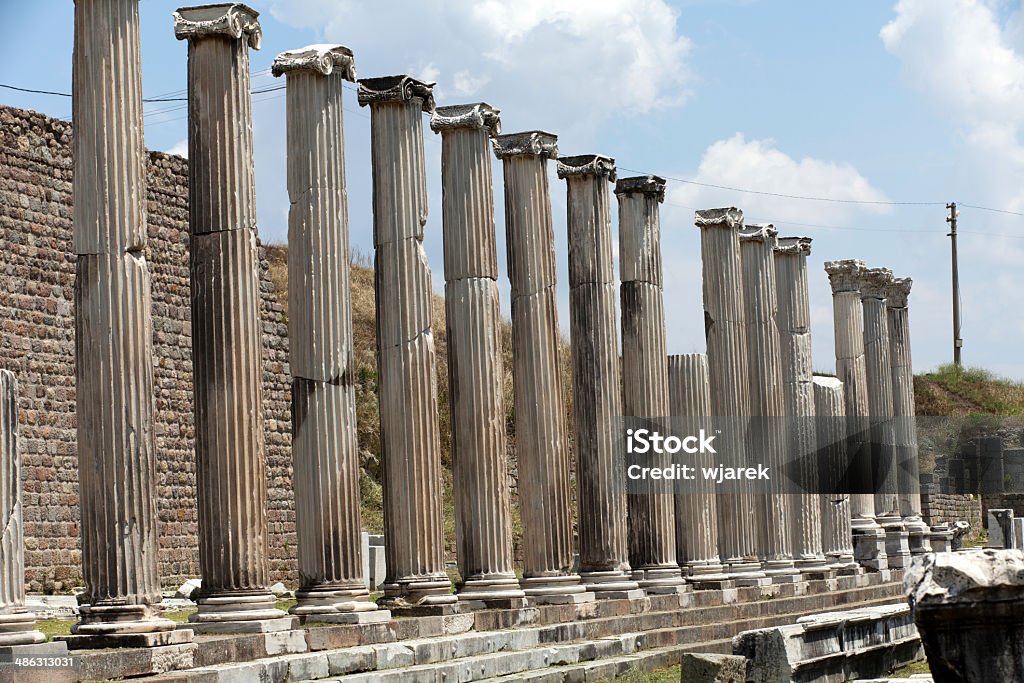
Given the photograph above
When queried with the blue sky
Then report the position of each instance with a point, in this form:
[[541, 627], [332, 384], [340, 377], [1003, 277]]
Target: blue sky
[[909, 101]]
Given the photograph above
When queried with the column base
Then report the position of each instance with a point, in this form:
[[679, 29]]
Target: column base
[[843, 565], [897, 547], [418, 591], [112, 625], [940, 540], [918, 533], [16, 629], [337, 605], [746, 572], [560, 589], [611, 585], [869, 548], [781, 571], [496, 587], [249, 612], [660, 580]]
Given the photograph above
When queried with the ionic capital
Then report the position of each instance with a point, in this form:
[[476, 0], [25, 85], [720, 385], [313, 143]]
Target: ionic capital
[[586, 165], [730, 218], [400, 88], [794, 245], [759, 233], [897, 292], [321, 59], [845, 275], [650, 185], [478, 116], [232, 19], [874, 282], [530, 143]]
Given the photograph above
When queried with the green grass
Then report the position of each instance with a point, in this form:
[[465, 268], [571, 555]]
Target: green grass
[[954, 391], [919, 667], [55, 627], [669, 675]]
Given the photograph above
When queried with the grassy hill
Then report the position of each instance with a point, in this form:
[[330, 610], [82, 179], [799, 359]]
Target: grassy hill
[[952, 391]]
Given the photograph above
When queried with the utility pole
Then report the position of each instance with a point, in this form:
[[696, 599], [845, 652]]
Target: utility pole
[[957, 341]]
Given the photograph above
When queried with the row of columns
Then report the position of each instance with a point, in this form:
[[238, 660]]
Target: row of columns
[[757, 363]]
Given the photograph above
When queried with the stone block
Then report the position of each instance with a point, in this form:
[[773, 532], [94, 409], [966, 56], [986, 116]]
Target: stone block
[[376, 564], [700, 667], [1000, 528]]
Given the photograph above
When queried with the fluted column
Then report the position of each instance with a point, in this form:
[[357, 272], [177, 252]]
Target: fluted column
[[725, 330], [113, 336], [696, 513], [227, 363], [767, 436], [475, 377], [537, 378], [830, 435], [794, 324], [652, 536], [325, 452], [409, 433], [597, 393], [908, 481], [16, 622], [844, 278]]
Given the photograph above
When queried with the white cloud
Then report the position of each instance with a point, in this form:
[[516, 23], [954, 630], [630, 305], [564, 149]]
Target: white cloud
[[180, 148], [759, 165], [545, 63]]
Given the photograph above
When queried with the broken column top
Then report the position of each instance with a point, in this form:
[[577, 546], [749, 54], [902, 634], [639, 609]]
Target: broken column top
[[845, 275], [478, 116], [793, 245], [322, 59], [965, 577], [729, 217], [586, 164], [873, 282], [759, 233], [232, 19], [401, 88], [897, 291], [828, 381], [650, 185], [528, 143]]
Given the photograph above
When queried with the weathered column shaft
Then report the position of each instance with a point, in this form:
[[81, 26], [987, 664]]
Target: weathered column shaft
[[475, 374], [696, 512], [767, 436], [537, 378], [409, 433], [878, 369], [227, 358], [830, 433], [113, 330], [604, 548], [325, 451], [794, 324], [16, 622], [728, 377], [652, 536]]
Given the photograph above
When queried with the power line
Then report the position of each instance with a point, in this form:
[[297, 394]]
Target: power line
[[986, 208]]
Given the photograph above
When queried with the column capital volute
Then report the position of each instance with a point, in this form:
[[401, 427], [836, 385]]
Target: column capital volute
[[729, 217], [897, 292], [873, 283], [476, 116], [845, 275], [529, 143], [586, 165], [231, 20], [754, 232], [800, 246], [321, 59], [401, 88], [649, 185]]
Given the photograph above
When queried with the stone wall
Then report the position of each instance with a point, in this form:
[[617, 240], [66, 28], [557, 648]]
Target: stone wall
[[937, 508], [37, 343]]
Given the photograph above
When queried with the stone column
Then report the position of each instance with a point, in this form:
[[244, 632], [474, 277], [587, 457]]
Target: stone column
[[767, 436], [830, 435], [652, 527], [908, 481], [227, 363], [16, 622], [597, 392], [536, 374], [409, 433], [869, 539], [475, 377], [883, 439], [113, 337], [725, 329], [794, 324], [325, 453], [696, 512]]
